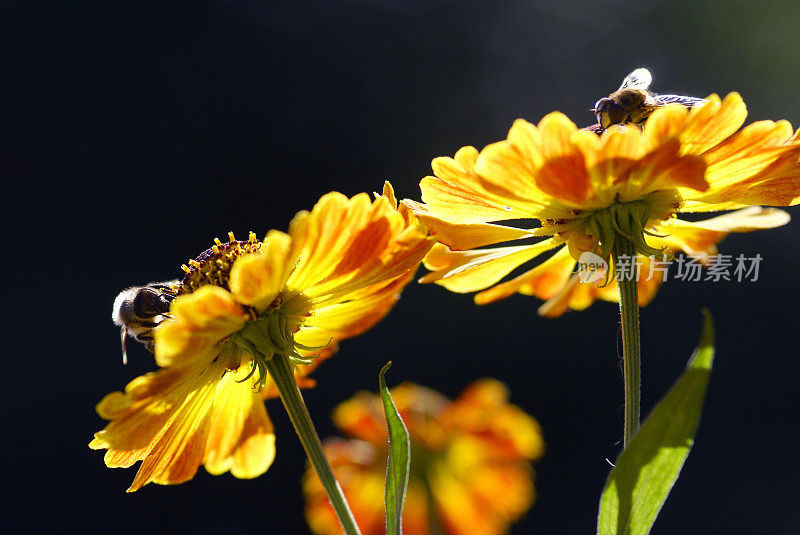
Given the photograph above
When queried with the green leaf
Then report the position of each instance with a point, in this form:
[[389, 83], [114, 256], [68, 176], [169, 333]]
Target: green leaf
[[648, 468], [399, 460]]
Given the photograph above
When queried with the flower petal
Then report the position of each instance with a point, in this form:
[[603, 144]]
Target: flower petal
[[165, 424], [543, 281], [352, 315], [463, 236], [699, 238], [199, 321], [240, 437], [458, 194], [468, 271], [349, 244], [256, 279], [713, 122]]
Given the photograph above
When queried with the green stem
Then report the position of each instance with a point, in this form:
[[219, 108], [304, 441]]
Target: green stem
[[434, 525], [280, 369], [629, 318]]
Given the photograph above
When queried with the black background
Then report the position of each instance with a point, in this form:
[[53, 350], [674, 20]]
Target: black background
[[135, 133]]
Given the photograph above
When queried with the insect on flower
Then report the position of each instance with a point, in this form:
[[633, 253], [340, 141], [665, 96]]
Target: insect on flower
[[138, 310], [633, 102], [293, 296]]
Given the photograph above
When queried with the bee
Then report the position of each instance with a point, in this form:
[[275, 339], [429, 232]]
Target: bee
[[138, 310], [633, 102]]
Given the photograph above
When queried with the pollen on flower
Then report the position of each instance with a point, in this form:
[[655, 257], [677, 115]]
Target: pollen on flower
[[213, 266]]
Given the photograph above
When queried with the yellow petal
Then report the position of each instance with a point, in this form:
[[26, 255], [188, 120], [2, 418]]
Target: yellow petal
[[556, 135], [527, 140], [350, 315], [468, 271], [240, 438], [543, 281], [699, 238], [744, 220], [165, 425], [256, 279], [199, 321], [665, 123], [559, 303], [460, 237], [713, 122], [509, 179]]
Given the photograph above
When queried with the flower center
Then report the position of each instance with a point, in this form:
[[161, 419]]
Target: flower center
[[213, 266]]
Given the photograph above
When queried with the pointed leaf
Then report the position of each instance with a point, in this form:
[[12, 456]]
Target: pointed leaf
[[399, 460], [648, 468]]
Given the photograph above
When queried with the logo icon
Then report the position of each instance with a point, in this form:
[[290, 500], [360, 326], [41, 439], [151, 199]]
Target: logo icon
[[591, 268]]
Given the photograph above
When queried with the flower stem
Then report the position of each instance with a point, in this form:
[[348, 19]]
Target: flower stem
[[280, 369], [626, 272], [434, 525]]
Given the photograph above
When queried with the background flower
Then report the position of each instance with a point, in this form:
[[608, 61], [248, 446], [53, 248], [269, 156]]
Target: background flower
[[470, 461]]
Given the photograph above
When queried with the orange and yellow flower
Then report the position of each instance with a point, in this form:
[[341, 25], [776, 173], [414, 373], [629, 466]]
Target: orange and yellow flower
[[338, 270], [586, 190], [470, 462]]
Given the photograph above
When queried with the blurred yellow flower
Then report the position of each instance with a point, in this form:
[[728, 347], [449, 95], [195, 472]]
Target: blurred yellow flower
[[337, 272], [470, 462], [586, 190]]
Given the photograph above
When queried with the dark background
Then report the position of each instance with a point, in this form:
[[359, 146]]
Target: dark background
[[135, 133]]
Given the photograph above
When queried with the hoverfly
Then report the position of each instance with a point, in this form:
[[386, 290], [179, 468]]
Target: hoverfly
[[138, 310], [633, 103]]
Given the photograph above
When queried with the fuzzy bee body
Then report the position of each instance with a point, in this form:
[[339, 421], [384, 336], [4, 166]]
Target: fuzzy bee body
[[138, 310], [633, 102]]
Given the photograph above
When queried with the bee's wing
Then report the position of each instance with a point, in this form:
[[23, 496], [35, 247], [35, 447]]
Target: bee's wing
[[172, 285], [689, 102], [638, 79]]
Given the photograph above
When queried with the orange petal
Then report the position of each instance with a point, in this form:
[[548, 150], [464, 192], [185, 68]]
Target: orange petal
[[459, 205], [663, 168], [357, 417], [566, 179], [349, 244], [483, 408]]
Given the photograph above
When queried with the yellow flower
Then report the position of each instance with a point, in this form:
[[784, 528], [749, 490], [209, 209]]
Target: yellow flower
[[586, 191], [470, 462], [337, 272]]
